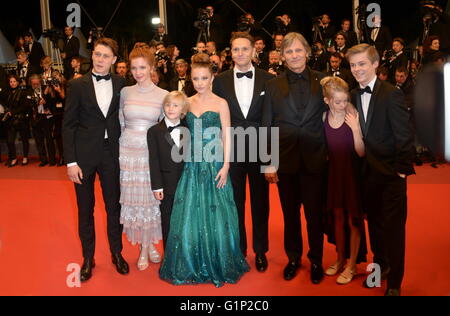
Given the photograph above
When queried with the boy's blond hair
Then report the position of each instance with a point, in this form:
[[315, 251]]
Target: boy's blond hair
[[180, 96]]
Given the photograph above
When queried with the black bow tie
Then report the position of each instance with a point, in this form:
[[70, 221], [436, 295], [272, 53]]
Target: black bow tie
[[99, 77], [248, 74], [365, 90], [181, 79], [171, 128]]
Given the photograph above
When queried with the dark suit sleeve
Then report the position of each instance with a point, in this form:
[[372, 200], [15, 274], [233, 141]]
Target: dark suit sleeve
[[71, 121], [399, 119], [267, 119], [155, 170], [216, 87]]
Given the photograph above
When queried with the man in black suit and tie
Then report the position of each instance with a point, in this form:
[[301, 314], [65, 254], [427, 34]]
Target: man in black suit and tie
[[244, 87], [25, 69], [380, 36], [71, 49], [337, 71], [34, 50], [161, 36], [181, 81], [385, 122], [352, 38], [91, 132], [294, 104]]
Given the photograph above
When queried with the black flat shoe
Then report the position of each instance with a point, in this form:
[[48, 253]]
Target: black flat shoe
[[86, 270], [316, 273], [261, 262], [290, 271], [120, 263]]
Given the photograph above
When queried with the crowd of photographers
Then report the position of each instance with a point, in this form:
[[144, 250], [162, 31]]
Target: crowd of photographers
[[32, 95]]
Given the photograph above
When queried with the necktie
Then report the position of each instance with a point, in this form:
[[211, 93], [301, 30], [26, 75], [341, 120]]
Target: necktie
[[248, 74], [99, 77], [365, 90], [171, 128]]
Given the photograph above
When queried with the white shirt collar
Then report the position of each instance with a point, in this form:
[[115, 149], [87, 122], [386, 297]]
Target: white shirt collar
[[371, 84], [169, 123]]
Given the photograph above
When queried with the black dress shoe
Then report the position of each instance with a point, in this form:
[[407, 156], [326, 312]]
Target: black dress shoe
[[392, 292], [316, 273], [261, 262], [86, 269], [43, 164], [52, 164], [291, 270], [367, 281], [120, 263]]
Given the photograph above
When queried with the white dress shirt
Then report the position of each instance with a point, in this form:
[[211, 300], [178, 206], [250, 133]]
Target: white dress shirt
[[244, 88], [366, 97], [104, 94]]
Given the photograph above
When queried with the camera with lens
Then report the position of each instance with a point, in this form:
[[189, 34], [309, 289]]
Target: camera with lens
[[162, 56], [389, 54], [53, 35], [203, 17], [244, 24], [53, 82], [277, 68]]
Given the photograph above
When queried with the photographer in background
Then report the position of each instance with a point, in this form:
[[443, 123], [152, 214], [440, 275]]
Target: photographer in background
[[340, 47], [438, 23], [76, 67], [161, 36], [247, 23], [17, 120], [276, 66], [327, 30], [211, 48], [337, 70], [284, 25], [352, 38], [71, 49], [277, 41], [380, 36], [122, 70], [24, 69], [215, 27], [319, 59], [261, 58], [56, 92], [395, 58], [47, 69], [226, 59], [43, 120], [182, 81], [164, 63]]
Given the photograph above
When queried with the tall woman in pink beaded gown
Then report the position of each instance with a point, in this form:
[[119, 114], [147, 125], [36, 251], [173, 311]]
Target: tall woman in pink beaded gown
[[141, 108]]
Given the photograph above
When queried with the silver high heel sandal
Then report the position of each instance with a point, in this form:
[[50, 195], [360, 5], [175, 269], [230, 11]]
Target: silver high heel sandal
[[142, 263], [154, 255]]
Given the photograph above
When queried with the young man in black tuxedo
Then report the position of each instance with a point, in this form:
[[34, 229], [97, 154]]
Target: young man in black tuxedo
[[71, 49], [294, 103], [165, 171], [380, 36], [385, 122], [244, 88], [34, 50], [91, 132]]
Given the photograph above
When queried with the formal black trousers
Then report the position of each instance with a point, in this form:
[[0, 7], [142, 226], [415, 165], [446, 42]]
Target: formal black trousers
[[385, 202], [24, 131], [296, 190], [166, 207], [109, 173], [259, 200], [42, 132]]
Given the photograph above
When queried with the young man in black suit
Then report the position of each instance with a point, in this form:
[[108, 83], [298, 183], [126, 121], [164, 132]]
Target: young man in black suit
[[294, 104], [34, 50], [380, 36], [244, 88], [385, 122], [165, 171], [71, 49], [91, 132]]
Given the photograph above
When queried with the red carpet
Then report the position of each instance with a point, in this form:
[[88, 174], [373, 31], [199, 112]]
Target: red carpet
[[38, 240]]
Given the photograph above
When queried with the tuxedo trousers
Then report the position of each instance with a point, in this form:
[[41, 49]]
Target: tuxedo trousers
[[385, 202], [109, 173], [296, 190], [42, 132], [259, 200], [166, 207]]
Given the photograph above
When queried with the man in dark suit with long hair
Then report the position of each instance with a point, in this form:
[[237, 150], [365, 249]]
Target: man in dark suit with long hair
[[294, 104]]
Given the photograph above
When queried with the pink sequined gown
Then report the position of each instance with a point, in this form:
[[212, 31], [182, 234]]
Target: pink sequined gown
[[140, 215]]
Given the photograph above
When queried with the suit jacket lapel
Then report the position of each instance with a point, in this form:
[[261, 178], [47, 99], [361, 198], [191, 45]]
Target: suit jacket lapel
[[256, 91], [284, 86], [361, 112], [91, 92], [310, 107], [115, 94], [167, 137], [373, 100], [232, 91]]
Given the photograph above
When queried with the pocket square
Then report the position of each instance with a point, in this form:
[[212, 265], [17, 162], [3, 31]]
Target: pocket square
[[263, 93]]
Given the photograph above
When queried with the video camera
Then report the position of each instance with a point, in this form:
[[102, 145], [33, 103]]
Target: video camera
[[243, 24], [53, 35], [430, 10], [204, 15], [161, 56]]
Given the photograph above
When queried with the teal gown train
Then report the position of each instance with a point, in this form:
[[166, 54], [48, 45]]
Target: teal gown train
[[203, 241]]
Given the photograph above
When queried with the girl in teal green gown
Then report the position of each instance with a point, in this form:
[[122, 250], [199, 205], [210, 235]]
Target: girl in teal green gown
[[203, 242]]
